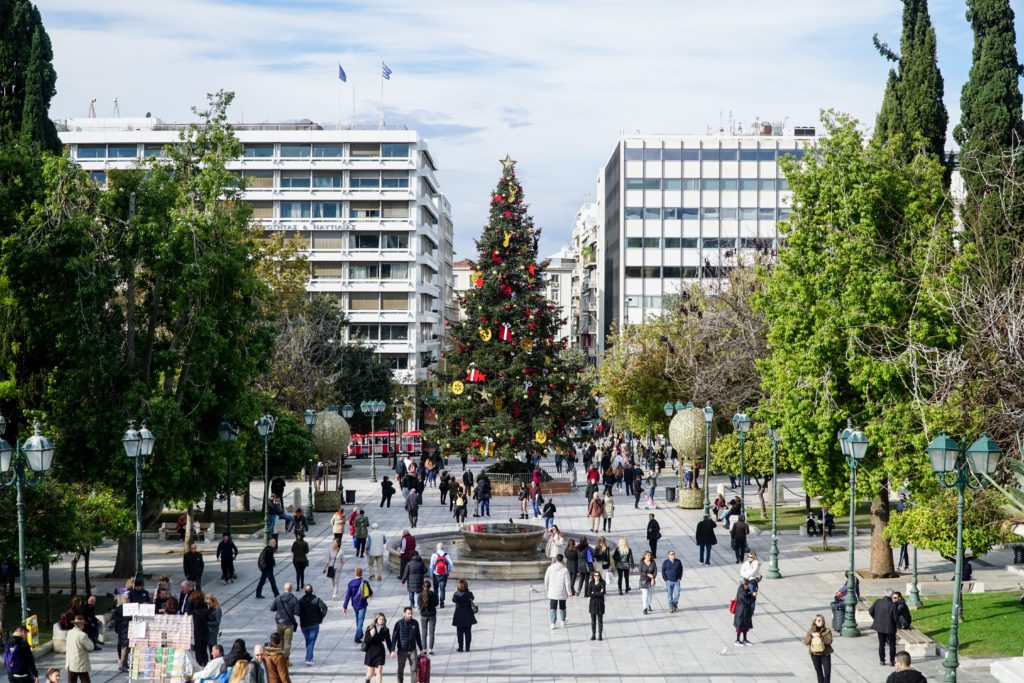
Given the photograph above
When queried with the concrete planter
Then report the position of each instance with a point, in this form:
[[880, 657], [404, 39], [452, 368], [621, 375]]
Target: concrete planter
[[327, 501], [691, 499]]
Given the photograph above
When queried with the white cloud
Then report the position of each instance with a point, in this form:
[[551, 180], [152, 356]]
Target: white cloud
[[552, 83]]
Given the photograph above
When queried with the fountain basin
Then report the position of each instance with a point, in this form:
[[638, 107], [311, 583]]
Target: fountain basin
[[494, 565], [500, 537]]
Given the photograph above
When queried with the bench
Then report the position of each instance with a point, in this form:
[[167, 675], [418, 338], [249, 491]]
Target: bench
[[916, 643], [60, 636], [204, 531]]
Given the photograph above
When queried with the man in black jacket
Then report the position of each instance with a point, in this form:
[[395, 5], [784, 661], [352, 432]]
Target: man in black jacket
[[266, 563], [17, 650], [185, 598], [406, 639], [883, 613], [227, 551], [653, 534], [192, 564], [312, 611], [706, 538], [903, 618]]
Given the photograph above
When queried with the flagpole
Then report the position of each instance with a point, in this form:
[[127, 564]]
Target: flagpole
[[382, 99], [353, 105], [339, 103]]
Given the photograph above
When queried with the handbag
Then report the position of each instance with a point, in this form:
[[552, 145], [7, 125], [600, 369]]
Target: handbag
[[732, 606], [472, 606], [330, 572]]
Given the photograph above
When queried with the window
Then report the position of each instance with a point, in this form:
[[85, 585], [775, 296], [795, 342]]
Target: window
[[652, 302], [363, 179], [634, 271], [251, 151], [92, 151], [327, 179], [364, 149], [766, 214], [363, 271], [728, 183], [672, 214], [643, 184], [672, 184], [766, 185], [295, 179], [691, 154], [98, 177], [258, 180], [719, 242], [644, 271], [748, 155], [784, 214], [122, 151], [364, 241], [652, 213], [333, 270], [634, 154], [394, 179], [671, 242], [690, 213], [394, 301], [634, 242], [691, 242], [327, 210], [365, 332], [153, 151], [328, 240], [709, 212], [711, 184], [748, 184], [710, 154], [652, 243], [326, 150], [295, 210], [394, 271], [394, 332], [364, 301], [262, 209], [766, 155], [748, 214], [691, 183], [672, 155], [395, 209], [396, 240], [728, 214], [634, 212], [395, 361], [689, 272], [781, 184], [652, 154], [291, 150], [753, 243], [632, 301], [364, 210], [729, 154], [391, 150], [671, 272]]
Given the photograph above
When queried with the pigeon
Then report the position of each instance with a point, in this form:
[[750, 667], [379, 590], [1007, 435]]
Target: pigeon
[[724, 651]]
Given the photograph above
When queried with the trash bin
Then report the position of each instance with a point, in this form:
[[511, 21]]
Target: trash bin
[[1018, 554], [838, 615], [670, 494], [350, 496]]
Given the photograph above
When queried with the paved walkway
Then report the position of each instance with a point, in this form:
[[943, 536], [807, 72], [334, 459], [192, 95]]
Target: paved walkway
[[512, 641]]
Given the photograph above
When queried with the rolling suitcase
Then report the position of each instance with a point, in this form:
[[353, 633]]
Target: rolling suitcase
[[423, 668]]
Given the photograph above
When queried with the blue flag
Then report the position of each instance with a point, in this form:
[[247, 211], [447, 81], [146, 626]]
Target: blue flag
[[341, 74], [386, 72]]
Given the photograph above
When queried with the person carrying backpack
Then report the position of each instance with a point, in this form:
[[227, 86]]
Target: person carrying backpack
[[440, 569], [265, 562], [18, 658]]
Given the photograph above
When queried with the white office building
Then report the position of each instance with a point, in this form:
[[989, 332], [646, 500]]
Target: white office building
[[585, 332], [682, 209], [559, 288], [365, 205]]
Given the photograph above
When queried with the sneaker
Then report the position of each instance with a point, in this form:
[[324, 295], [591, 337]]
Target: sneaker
[[309, 663], [552, 626], [740, 643], [563, 623]]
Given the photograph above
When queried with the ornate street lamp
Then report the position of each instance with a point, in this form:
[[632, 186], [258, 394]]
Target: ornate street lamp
[[138, 444], [37, 453], [773, 566], [373, 409], [957, 467], [854, 445], [309, 417], [265, 427], [228, 431], [741, 423], [709, 415]]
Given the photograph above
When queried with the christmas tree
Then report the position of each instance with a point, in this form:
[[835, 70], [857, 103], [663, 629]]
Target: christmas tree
[[507, 382]]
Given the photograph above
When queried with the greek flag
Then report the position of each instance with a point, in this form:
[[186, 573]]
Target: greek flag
[[385, 71], [341, 75]]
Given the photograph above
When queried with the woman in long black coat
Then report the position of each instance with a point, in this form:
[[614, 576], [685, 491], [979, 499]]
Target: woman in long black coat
[[463, 619], [200, 627], [743, 619], [596, 589], [572, 563], [377, 641]]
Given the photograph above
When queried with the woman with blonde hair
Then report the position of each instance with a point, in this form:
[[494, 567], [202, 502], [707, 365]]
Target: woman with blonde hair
[[214, 618], [377, 644], [623, 559], [818, 640], [335, 561]]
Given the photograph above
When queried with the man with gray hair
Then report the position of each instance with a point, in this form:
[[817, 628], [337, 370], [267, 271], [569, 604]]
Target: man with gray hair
[[376, 546], [440, 569], [286, 609]]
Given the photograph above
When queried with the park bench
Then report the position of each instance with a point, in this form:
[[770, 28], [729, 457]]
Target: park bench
[[916, 643], [169, 532], [60, 636]]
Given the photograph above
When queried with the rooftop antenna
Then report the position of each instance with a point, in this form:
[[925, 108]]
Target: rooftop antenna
[[117, 110], [92, 108], [732, 124], [721, 129]]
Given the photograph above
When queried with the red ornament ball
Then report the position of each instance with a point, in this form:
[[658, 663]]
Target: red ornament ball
[[507, 307]]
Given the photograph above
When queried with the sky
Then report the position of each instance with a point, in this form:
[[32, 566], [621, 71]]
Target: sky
[[553, 83]]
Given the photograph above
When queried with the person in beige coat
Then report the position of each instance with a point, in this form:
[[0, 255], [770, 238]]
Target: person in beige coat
[[78, 648]]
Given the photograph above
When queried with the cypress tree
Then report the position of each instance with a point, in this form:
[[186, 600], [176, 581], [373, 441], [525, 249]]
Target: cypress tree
[[27, 77], [990, 103], [913, 93]]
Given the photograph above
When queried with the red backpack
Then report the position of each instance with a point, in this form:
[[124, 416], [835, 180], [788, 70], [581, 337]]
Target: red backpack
[[441, 566]]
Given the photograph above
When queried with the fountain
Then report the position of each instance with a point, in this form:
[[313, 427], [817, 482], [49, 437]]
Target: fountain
[[503, 537]]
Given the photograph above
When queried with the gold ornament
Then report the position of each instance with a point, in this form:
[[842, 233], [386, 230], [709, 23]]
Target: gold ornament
[[526, 345], [485, 395], [511, 192], [485, 334], [508, 238], [508, 163], [545, 400], [687, 432], [458, 387], [499, 403], [540, 437]]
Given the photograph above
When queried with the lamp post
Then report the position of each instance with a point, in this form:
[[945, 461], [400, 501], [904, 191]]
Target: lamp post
[[957, 467], [773, 565], [741, 423], [37, 453], [914, 599], [228, 432], [347, 411], [138, 444], [309, 417], [372, 408], [854, 445], [265, 427]]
